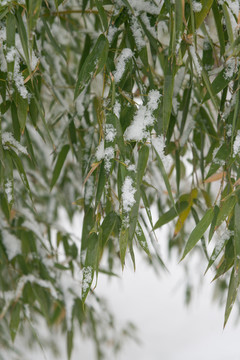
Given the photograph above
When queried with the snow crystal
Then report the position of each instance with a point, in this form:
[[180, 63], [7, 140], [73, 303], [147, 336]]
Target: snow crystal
[[19, 79], [11, 53], [87, 278], [8, 190], [143, 118], [195, 60], [223, 234], [159, 145], [117, 108], [100, 151], [236, 144], [145, 6], [231, 66], [7, 138], [229, 130], [110, 132], [11, 243], [146, 21], [196, 6], [153, 98], [111, 32], [128, 192], [125, 55], [89, 189], [79, 104], [108, 156], [137, 33], [234, 7], [132, 167]]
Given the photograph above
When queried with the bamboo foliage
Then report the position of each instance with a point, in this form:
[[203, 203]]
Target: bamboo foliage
[[109, 108]]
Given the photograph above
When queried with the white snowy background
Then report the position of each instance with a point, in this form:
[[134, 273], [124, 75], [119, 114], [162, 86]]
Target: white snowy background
[[167, 328]]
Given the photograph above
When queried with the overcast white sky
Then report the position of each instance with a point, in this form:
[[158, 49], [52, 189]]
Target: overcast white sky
[[168, 329]]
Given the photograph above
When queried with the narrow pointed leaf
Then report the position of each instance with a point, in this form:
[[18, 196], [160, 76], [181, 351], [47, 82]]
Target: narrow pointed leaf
[[198, 232], [59, 164]]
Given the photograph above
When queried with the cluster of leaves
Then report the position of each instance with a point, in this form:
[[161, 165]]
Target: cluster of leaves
[[139, 102]]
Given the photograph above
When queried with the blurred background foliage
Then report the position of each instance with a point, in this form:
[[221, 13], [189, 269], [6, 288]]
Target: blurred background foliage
[[114, 113]]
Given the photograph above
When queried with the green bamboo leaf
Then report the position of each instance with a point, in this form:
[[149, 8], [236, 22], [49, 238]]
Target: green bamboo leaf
[[18, 163], [218, 20], [56, 46], [15, 122], [178, 23], [146, 205], [218, 84], [34, 7], [3, 13], [22, 109], [10, 32], [216, 251], [90, 264], [59, 164], [228, 23], [142, 239], [200, 16], [171, 214], [141, 166], [221, 156], [207, 82], [102, 178], [165, 178], [142, 163], [198, 232], [93, 64], [15, 320], [102, 14], [232, 292], [24, 38], [226, 209], [107, 226], [69, 343], [213, 224], [237, 230], [168, 93], [123, 242]]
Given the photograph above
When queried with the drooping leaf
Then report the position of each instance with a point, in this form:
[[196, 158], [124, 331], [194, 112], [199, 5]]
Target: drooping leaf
[[59, 164], [198, 232], [93, 64]]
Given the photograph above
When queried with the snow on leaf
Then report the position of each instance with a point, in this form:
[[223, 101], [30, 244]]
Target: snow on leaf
[[8, 139], [128, 191], [143, 118], [125, 55]]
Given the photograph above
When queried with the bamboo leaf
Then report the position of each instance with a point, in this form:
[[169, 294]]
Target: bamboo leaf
[[93, 64], [232, 293], [165, 178], [59, 164], [142, 239], [90, 264], [198, 232], [168, 94], [171, 214], [102, 14], [15, 320], [123, 243], [200, 16], [237, 230], [226, 209]]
